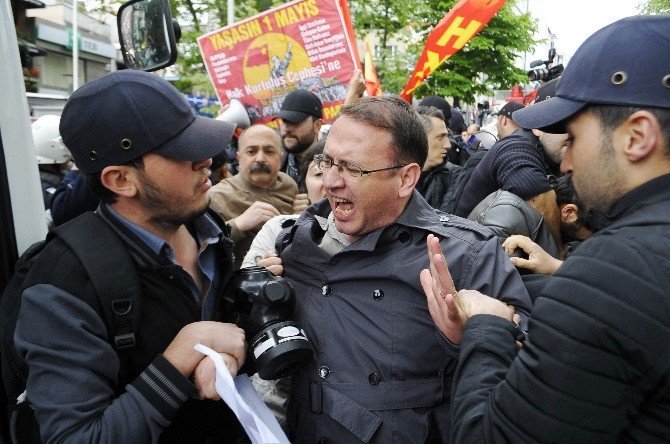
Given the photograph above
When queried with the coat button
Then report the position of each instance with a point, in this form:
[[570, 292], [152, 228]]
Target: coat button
[[377, 294], [374, 378], [324, 441], [404, 237], [326, 290], [324, 371]]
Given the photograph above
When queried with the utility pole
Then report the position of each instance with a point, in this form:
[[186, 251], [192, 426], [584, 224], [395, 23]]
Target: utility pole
[[75, 45], [525, 53], [231, 12]]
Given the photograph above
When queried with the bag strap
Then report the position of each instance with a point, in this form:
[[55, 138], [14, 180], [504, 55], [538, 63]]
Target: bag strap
[[112, 273]]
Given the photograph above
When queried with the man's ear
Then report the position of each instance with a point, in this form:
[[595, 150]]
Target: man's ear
[[569, 213], [120, 179], [642, 136], [318, 123], [409, 176]]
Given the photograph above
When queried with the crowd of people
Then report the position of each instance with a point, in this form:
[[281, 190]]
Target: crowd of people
[[515, 291]]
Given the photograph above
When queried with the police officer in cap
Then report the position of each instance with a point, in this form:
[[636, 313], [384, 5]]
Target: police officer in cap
[[595, 366]]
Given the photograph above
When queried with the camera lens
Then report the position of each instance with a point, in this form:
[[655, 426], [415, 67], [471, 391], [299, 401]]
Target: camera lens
[[280, 349], [537, 74]]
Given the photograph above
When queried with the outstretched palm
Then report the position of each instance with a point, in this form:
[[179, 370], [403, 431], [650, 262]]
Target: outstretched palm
[[440, 290]]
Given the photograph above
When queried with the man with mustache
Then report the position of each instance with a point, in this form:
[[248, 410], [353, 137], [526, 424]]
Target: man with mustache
[[258, 192]]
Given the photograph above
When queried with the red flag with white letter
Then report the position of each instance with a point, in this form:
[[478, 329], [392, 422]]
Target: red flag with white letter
[[459, 25]]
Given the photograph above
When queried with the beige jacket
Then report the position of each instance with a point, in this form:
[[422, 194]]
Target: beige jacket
[[231, 197]]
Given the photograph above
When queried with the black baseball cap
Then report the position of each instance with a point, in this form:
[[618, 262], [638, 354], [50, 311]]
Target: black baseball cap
[[299, 105], [439, 103], [123, 115], [508, 109], [546, 91], [622, 64]]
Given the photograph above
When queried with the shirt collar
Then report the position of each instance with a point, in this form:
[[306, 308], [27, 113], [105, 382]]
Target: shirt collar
[[327, 224], [419, 214], [155, 243], [205, 230]]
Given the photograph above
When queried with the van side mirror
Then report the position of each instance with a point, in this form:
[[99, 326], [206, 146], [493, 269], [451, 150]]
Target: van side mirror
[[147, 34]]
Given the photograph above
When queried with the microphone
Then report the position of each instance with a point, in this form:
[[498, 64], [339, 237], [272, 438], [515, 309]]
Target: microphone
[[535, 63]]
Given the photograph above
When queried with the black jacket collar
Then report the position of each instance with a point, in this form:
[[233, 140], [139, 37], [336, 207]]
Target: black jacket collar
[[649, 192]]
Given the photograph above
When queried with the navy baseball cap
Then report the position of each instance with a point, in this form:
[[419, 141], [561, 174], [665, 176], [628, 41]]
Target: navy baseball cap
[[299, 105], [624, 64], [123, 115]]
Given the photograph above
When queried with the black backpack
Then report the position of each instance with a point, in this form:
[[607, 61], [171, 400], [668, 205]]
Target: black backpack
[[112, 273]]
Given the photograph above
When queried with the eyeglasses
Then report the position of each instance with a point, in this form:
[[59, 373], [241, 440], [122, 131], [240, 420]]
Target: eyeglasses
[[347, 171]]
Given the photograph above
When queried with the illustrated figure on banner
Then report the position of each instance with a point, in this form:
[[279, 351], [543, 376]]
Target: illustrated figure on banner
[[279, 67]]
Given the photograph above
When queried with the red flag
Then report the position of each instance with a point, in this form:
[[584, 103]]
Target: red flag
[[372, 84], [258, 56], [459, 25]]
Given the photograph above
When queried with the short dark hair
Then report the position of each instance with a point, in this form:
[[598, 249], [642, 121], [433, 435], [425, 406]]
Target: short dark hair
[[611, 116], [565, 191], [565, 194], [393, 114], [426, 112], [314, 149], [102, 192], [430, 111]]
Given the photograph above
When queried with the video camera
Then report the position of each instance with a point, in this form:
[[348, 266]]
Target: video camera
[[547, 73]]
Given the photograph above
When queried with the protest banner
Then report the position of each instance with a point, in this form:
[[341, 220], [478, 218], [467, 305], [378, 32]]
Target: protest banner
[[457, 27], [307, 44]]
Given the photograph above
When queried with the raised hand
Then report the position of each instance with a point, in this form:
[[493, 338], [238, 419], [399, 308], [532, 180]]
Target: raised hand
[[450, 309], [440, 290], [356, 87]]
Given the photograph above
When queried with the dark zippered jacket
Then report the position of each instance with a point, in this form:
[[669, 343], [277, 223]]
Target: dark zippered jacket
[[596, 364]]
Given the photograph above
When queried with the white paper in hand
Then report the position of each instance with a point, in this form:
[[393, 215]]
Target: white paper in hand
[[256, 418]]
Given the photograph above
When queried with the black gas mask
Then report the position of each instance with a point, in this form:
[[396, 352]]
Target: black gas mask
[[261, 304]]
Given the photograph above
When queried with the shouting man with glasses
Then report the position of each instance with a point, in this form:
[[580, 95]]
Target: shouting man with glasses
[[380, 373]]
